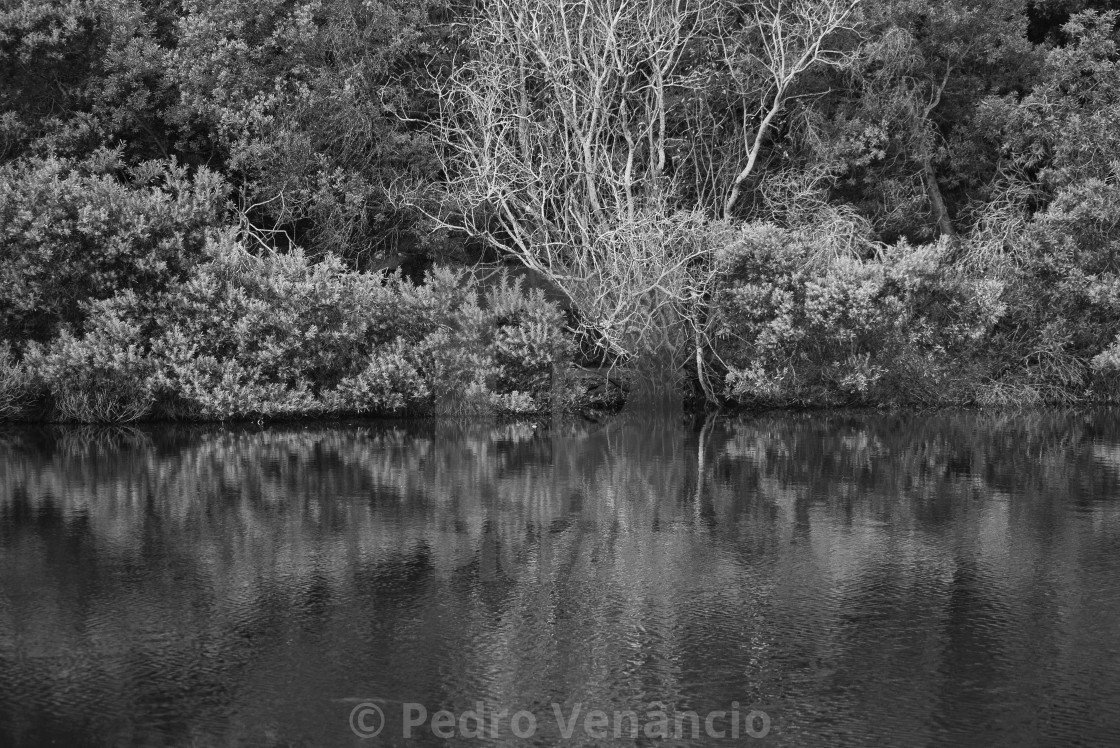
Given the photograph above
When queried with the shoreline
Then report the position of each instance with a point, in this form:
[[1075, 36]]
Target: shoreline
[[546, 420]]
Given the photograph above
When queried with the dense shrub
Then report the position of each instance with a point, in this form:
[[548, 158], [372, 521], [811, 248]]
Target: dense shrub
[[908, 326], [1106, 368], [274, 334], [72, 232], [262, 335], [789, 333], [16, 384], [473, 353], [947, 316], [303, 102], [794, 330], [106, 374], [388, 383], [1063, 298], [523, 336]]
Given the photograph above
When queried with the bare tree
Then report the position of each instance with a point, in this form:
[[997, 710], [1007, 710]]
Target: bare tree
[[767, 49], [557, 136]]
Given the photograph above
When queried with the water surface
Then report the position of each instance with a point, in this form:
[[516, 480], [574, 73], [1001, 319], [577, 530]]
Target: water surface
[[895, 580]]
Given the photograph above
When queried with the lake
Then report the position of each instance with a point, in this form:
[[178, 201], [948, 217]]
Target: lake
[[844, 579]]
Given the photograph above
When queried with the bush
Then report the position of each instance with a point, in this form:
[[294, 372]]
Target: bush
[[793, 331], [478, 356], [105, 376], [263, 336], [17, 386], [389, 383], [910, 327], [1106, 370], [525, 339], [276, 335], [791, 334], [70, 232], [940, 352], [1063, 300]]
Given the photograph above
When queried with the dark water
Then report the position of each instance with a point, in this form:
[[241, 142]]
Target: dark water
[[859, 579]]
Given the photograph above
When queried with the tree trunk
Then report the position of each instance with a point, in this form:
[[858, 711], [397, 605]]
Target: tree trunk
[[936, 202]]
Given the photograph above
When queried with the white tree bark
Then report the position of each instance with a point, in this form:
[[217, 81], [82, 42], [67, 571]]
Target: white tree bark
[[778, 42], [556, 137]]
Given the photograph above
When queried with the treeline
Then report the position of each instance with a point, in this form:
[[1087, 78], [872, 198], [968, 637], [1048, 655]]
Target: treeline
[[255, 208]]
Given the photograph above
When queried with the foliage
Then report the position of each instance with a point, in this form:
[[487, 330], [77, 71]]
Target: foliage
[[1063, 131], [82, 75], [900, 137], [304, 102], [105, 375], [789, 334], [1106, 368], [819, 203], [388, 383], [1058, 144], [1064, 299], [261, 335], [72, 232], [560, 129], [300, 105], [525, 339], [793, 331], [276, 335], [16, 384]]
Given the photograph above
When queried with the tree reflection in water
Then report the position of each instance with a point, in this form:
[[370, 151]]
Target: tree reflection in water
[[901, 578]]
